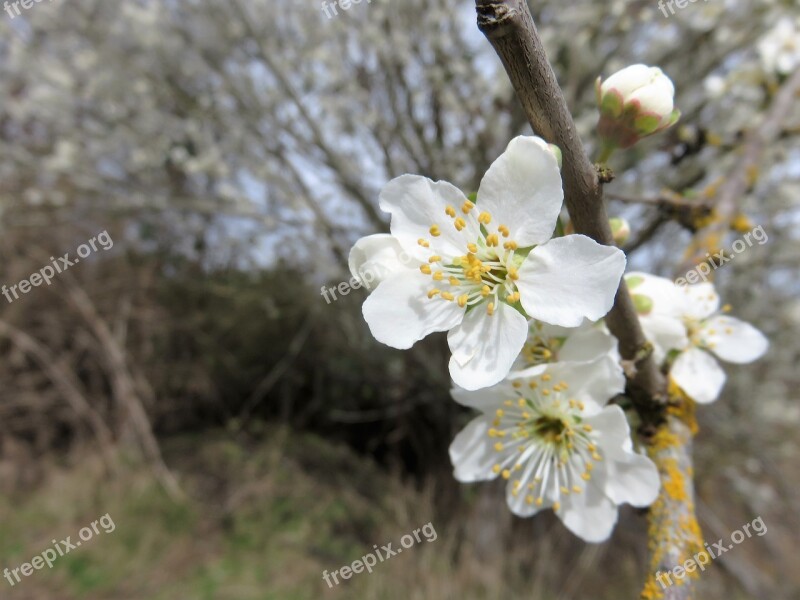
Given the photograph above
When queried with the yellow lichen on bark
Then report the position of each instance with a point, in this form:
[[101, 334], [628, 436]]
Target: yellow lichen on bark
[[674, 533]]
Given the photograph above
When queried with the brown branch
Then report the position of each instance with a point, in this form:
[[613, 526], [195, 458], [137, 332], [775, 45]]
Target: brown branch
[[509, 27]]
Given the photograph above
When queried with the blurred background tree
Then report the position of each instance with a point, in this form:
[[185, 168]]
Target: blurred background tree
[[194, 381]]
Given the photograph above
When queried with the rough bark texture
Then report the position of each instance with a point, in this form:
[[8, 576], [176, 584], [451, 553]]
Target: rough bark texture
[[509, 27]]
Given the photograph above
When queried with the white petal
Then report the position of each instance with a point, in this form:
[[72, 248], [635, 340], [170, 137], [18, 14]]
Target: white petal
[[665, 333], [491, 343], [611, 433], [486, 399], [628, 80], [522, 190], [699, 375], [733, 340], [568, 279], [634, 481], [665, 296], [416, 203], [375, 257], [400, 313], [700, 300], [590, 514], [472, 452], [588, 342], [594, 381]]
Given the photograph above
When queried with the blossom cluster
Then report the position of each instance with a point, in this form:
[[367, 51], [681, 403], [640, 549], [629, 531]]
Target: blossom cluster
[[523, 306]]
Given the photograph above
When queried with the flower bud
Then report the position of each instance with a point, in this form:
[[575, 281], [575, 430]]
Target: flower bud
[[620, 229], [634, 103]]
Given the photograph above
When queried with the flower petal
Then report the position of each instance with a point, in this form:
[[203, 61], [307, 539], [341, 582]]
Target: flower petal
[[374, 257], [665, 333], [588, 342], [700, 300], [666, 297], [491, 344], [472, 453], [589, 514], [634, 481], [400, 313], [568, 279], [522, 190], [733, 340], [485, 399], [416, 204], [594, 381], [699, 375]]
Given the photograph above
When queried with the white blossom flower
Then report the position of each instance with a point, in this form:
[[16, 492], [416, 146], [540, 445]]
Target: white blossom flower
[[688, 320], [635, 102], [481, 270], [780, 47], [549, 436]]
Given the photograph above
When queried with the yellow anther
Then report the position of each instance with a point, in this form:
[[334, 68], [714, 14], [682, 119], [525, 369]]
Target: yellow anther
[[438, 276], [423, 243], [498, 446], [450, 211], [556, 506], [492, 432], [472, 247], [545, 392], [490, 309], [434, 258], [510, 245], [564, 385], [564, 491], [728, 330], [460, 223], [589, 466], [586, 476], [533, 385], [513, 274], [539, 501], [485, 291], [529, 499], [435, 231], [492, 240], [513, 298], [467, 206], [547, 377], [425, 269], [448, 296], [587, 428], [517, 384], [576, 489], [509, 403], [454, 281], [504, 230], [596, 456], [521, 403], [433, 293], [484, 218], [462, 300], [727, 308], [506, 474], [496, 469], [500, 412], [556, 388], [591, 448], [518, 467]]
